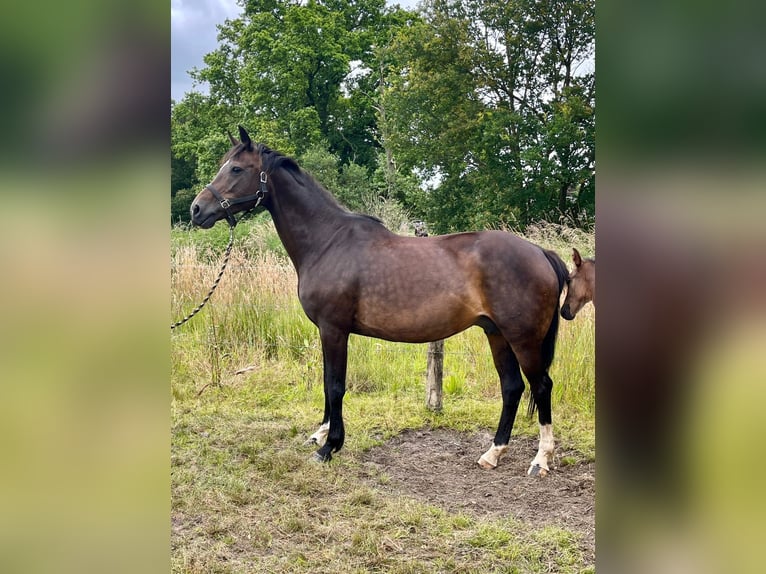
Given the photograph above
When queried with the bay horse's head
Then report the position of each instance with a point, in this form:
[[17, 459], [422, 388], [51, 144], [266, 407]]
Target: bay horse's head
[[581, 286], [239, 185]]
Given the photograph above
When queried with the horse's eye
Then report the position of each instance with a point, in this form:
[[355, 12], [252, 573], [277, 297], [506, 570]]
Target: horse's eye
[[236, 169]]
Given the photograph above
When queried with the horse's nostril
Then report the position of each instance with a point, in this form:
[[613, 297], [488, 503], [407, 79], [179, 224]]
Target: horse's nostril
[[195, 209]]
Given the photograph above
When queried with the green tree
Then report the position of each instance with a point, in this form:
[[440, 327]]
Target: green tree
[[469, 114], [297, 66], [487, 103]]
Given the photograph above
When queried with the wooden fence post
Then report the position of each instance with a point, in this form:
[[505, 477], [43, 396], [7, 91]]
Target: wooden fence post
[[434, 375], [435, 360]]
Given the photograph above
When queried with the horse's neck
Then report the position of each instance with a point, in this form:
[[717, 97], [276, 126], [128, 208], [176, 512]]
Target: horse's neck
[[305, 218]]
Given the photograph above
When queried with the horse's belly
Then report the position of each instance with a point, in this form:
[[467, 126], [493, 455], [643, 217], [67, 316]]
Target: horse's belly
[[414, 323]]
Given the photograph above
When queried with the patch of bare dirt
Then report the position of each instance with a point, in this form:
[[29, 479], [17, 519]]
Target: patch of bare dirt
[[439, 467]]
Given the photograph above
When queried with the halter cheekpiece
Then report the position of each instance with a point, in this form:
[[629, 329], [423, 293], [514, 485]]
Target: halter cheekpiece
[[227, 203]]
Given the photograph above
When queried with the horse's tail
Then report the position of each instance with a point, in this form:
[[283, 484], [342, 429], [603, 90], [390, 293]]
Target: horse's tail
[[549, 342], [562, 273]]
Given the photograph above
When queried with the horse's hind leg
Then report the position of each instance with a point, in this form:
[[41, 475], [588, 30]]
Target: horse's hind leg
[[541, 386], [512, 387], [544, 457]]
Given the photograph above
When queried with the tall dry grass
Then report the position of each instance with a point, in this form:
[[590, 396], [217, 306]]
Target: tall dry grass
[[254, 322]]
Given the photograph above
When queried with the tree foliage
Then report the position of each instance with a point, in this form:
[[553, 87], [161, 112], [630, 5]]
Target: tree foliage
[[489, 104], [468, 113]]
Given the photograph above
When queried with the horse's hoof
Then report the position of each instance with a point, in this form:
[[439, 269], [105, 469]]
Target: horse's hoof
[[485, 464], [316, 457], [537, 470]]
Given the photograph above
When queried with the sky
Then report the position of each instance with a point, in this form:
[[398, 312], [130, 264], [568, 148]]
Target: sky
[[194, 34]]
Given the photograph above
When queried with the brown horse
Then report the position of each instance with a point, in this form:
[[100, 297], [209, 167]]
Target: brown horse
[[581, 286], [356, 276]]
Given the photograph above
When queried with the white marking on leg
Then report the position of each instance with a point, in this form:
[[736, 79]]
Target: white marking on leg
[[320, 436], [544, 457], [490, 458]]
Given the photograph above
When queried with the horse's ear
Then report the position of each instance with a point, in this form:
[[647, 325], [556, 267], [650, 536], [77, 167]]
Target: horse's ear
[[576, 257], [232, 139], [245, 137]]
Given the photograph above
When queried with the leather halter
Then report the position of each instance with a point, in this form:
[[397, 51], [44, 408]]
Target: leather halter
[[227, 203]]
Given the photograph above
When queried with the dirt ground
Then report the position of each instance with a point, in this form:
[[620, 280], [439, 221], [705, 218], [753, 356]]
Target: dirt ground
[[439, 467]]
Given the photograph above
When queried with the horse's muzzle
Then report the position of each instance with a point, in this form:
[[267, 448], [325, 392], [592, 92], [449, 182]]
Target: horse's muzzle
[[567, 313], [202, 218]]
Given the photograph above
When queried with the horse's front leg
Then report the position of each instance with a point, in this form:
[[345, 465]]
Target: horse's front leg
[[320, 436], [335, 357]]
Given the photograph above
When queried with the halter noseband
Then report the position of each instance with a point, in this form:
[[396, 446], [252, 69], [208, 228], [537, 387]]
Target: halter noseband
[[227, 203]]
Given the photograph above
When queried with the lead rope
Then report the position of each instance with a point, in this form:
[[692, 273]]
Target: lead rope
[[226, 204], [217, 280]]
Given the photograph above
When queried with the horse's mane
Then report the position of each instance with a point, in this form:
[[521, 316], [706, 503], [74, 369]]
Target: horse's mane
[[271, 160]]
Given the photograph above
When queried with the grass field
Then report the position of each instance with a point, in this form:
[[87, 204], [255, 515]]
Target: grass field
[[245, 498]]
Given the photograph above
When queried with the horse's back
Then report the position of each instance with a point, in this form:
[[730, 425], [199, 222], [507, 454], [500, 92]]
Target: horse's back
[[427, 288], [507, 258], [472, 265]]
